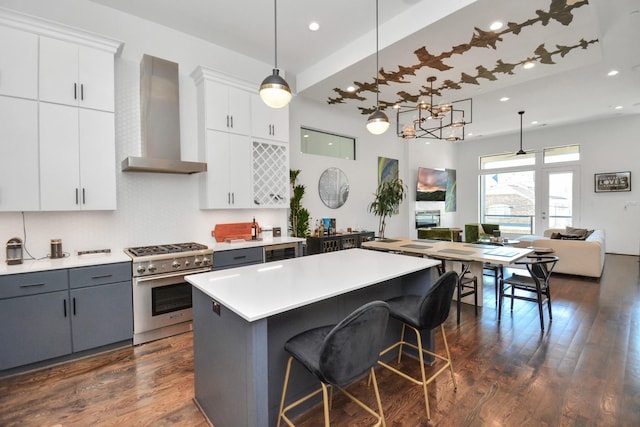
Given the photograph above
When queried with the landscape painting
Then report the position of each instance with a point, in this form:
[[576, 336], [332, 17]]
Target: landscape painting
[[432, 185]]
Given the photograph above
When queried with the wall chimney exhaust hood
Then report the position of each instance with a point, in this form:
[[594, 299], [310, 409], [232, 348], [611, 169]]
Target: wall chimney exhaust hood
[[160, 114]]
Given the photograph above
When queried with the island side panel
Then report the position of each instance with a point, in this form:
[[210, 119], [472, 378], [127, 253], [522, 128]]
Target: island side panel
[[229, 354]]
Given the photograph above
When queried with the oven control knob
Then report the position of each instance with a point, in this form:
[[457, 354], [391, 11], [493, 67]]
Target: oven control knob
[[175, 264], [151, 268], [141, 269], [187, 263], [197, 261], [206, 260]]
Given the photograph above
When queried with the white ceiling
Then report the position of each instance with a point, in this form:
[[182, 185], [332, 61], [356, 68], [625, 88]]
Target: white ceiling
[[575, 88]]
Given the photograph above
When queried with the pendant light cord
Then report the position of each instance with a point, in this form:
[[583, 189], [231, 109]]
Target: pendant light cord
[[275, 32], [377, 63]]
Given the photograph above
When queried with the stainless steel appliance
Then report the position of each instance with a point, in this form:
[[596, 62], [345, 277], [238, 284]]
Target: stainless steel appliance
[[14, 251], [161, 296]]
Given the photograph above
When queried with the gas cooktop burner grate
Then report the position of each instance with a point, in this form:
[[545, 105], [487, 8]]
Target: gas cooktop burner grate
[[165, 249]]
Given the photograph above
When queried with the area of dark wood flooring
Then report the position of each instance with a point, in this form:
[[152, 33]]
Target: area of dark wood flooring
[[584, 370]]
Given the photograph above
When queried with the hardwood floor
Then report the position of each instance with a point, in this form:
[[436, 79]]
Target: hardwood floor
[[584, 370]]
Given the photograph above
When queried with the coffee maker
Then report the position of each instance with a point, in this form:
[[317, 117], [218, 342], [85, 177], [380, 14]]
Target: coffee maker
[[14, 251]]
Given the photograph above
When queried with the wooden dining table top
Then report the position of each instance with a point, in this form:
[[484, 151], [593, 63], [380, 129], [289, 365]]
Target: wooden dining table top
[[503, 255]]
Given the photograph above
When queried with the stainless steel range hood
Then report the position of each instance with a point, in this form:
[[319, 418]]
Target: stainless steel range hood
[[160, 114]]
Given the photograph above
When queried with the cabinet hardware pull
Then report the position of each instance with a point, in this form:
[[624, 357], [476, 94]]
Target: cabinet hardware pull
[[64, 306], [239, 257], [75, 91], [228, 198], [82, 92], [227, 120], [233, 198], [76, 196], [84, 202], [74, 306], [231, 121], [32, 285], [104, 276]]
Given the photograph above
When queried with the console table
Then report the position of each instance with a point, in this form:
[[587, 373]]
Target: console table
[[337, 242]]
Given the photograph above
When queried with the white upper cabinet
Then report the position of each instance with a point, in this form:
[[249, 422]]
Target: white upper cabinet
[[228, 108], [76, 75], [77, 159], [19, 175], [267, 122], [18, 63]]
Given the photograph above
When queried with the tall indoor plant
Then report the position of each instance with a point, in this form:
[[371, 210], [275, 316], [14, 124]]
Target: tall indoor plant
[[298, 216], [388, 196]]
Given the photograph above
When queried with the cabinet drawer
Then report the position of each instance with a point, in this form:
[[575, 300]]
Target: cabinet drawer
[[15, 285], [99, 274], [237, 257]]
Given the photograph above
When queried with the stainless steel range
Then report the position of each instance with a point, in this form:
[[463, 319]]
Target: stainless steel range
[[161, 296]]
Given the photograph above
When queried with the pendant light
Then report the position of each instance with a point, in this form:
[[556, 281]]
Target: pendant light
[[378, 122], [274, 90], [521, 150]]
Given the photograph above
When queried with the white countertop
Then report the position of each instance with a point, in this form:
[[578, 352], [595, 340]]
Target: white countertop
[[258, 291], [72, 261], [224, 246]]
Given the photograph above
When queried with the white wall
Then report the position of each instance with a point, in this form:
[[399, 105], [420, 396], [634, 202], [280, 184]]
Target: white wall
[[609, 145]]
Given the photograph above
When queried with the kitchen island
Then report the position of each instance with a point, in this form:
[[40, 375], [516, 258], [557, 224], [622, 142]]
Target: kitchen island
[[243, 317]]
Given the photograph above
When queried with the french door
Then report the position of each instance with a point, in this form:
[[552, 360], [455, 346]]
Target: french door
[[557, 198]]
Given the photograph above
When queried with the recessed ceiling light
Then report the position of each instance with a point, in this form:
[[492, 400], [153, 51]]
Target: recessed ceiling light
[[528, 65], [504, 98], [612, 73], [351, 89], [314, 26], [618, 107], [470, 134], [535, 122], [496, 26]]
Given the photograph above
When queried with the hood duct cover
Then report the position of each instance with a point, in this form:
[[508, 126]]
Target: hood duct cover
[[160, 114]]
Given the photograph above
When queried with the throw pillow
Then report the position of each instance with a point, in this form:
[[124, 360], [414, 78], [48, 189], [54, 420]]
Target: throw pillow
[[555, 236], [571, 237], [571, 231]]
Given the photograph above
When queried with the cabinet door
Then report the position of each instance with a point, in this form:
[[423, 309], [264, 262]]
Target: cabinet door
[[58, 71], [19, 176], [97, 160], [18, 63], [96, 78], [59, 158], [34, 328], [227, 108], [267, 122], [101, 315], [227, 183], [271, 184]]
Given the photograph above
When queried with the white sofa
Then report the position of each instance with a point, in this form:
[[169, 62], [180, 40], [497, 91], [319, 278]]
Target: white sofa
[[579, 257]]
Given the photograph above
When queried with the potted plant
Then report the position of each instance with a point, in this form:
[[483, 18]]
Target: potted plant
[[388, 196], [298, 216]]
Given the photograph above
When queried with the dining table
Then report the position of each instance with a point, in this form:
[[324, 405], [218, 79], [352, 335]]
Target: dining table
[[454, 254]]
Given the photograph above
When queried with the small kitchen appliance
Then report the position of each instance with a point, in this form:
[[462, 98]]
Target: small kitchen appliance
[[14, 251], [161, 296], [56, 249]]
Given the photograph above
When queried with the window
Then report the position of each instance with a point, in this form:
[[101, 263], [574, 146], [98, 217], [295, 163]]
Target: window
[[327, 144], [569, 153], [508, 199]]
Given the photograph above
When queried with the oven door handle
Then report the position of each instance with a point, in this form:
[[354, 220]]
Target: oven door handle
[[169, 275]]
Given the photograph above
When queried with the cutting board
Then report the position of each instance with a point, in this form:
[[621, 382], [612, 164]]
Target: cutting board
[[233, 231]]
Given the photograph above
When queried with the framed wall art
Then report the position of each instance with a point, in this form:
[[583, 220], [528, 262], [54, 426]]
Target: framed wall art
[[613, 181]]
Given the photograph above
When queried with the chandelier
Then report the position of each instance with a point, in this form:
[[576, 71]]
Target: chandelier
[[435, 121]]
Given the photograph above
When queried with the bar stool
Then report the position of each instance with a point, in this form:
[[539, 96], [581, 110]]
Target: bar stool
[[424, 312], [467, 285], [338, 355]]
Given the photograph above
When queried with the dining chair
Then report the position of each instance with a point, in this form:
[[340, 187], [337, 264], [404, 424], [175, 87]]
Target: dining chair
[[339, 354], [533, 287], [423, 313]]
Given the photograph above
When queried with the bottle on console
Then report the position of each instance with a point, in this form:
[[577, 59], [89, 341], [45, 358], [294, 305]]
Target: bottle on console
[[254, 230]]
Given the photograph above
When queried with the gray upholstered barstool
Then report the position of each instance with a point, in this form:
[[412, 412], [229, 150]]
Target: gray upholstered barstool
[[424, 312], [338, 355]]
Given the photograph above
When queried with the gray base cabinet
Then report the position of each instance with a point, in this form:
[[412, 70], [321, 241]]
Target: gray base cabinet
[[55, 313], [34, 328]]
